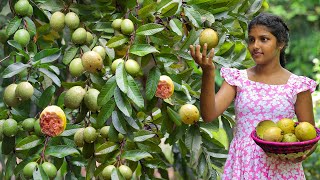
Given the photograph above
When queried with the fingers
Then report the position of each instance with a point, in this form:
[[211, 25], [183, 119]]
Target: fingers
[[198, 54], [204, 53], [211, 54], [192, 51]]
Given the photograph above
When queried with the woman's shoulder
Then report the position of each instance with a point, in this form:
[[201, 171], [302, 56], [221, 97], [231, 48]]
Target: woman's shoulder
[[302, 83], [232, 75]]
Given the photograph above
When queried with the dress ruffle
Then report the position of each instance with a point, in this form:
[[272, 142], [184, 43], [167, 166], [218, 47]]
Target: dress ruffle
[[231, 76], [303, 83]]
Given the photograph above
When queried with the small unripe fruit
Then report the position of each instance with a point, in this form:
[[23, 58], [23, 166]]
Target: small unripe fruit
[[78, 138], [24, 91], [28, 124], [1, 129], [37, 128], [79, 36], [116, 24], [21, 7], [30, 11], [22, 36], [9, 95], [91, 99], [100, 50], [132, 67], [10, 127], [125, 171], [115, 63], [49, 169], [89, 134], [107, 171], [72, 20], [57, 21], [89, 39], [74, 97], [127, 26], [76, 68], [104, 131], [29, 168]]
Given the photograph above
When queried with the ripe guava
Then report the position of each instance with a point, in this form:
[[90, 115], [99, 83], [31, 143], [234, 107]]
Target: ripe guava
[[274, 134], [165, 87], [290, 137], [210, 37], [262, 126], [286, 125], [92, 61], [189, 113], [305, 131], [52, 121]]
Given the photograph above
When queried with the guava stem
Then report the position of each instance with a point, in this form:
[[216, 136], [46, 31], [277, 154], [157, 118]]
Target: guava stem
[[44, 148]]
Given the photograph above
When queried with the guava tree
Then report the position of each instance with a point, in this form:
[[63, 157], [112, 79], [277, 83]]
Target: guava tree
[[107, 89]]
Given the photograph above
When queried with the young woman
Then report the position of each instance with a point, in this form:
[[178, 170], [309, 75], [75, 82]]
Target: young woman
[[264, 91]]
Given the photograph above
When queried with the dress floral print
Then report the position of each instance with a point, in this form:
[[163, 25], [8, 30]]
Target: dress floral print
[[255, 102]]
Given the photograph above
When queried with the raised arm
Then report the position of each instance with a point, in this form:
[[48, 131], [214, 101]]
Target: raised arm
[[212, 105]]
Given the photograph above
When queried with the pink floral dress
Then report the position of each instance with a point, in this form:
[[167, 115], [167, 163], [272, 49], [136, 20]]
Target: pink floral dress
[[255, 102]]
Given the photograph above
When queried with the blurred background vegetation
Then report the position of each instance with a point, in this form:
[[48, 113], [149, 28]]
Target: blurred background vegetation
[[303, 54]]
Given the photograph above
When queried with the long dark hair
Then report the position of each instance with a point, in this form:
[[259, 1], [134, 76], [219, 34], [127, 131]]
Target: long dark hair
[[277, 27]]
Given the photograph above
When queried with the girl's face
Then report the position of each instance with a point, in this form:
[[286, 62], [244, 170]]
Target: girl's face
[[263, 45]]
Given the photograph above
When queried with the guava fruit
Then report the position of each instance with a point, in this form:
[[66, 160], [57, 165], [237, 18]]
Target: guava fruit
[[107, 171], [100, 50], [57, 21], [189, 113], [127, 26], [28, 124], [90, 134], [72, 20], [24, 91], [29, 168], [76, 68], [165, 87], [89, 39], [74, 97], [305, 131], [274, 134], [78, 137], [132, 67], [79, 36], [289, 137], [125, 171], [91, 99], [210, 37], [104, 131], [9, 95], [92, 61], [22, 36], [115, 63], [52, 121], [21, 7], [49, 169], [116, 24], [262, 126], [10, 127], [286, 125]]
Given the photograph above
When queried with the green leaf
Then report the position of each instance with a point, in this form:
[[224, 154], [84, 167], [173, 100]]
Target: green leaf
[[61, 151], [117, 41], [193, 139], [105, 112], [176, 26], [134, 93], [14, 69], [69, 54], [28, 143], [152, 82], [52, 76], [147, 10], [142, 135], [40, 174], [31, 27], [142, 49], [106, 148], [170, 10], [13, 25], [149, 29], [70, 130], [9, 166], [135, 155], [132, 122], [48, 55], [46, 96], [107, 91], [118, 122], [15, 44], [121, 78], [193, 15], [192, 37], [122, 102]]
